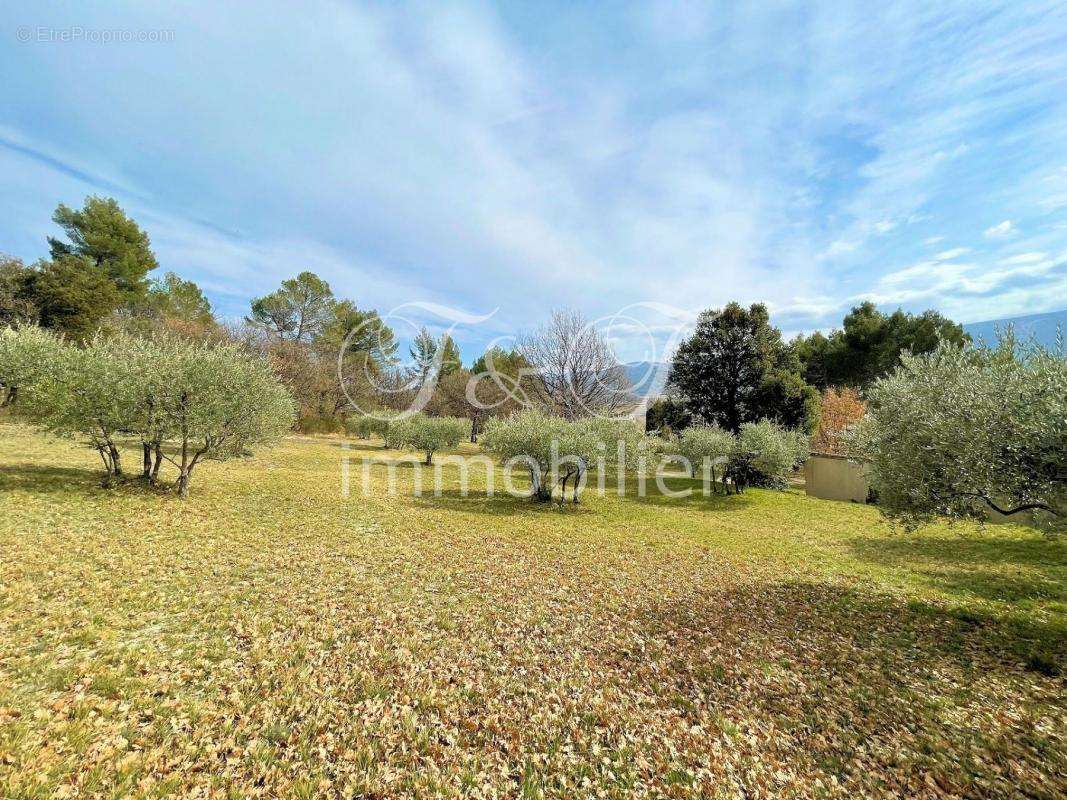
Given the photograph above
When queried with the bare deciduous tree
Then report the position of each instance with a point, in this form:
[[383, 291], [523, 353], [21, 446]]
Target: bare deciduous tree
[[576, 373]]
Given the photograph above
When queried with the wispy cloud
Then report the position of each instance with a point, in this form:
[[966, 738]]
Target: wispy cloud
[[1002, 230], [484, 156]]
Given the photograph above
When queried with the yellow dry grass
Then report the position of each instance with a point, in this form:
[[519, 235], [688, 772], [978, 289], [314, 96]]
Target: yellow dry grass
[[269, 637]]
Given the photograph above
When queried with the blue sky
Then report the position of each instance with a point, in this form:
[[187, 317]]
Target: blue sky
[[520, 157]]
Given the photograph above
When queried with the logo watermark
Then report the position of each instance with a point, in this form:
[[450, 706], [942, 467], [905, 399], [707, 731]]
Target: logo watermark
[[563, 476], [77, 34], [586, 432], [569, 367]]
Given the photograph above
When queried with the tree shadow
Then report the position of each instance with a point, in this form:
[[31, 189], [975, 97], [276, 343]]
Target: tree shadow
[[844, 622], [991, 568], [40, 480], [502, 503], [359, 444], [1045, 551], [499, 504], [840, 674], [692, 494], [73, 481]]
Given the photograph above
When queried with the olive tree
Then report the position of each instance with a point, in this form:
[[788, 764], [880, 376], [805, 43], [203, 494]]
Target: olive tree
[[215, 401], [772, 450], [200, 400], [151, 362], [539, 442], [426, 434], [961, 431], [706, 444], [364, 426], [557, 451], [87, 392], [26, 354]]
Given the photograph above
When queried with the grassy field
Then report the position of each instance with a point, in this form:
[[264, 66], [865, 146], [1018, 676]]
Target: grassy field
[[269, 637]]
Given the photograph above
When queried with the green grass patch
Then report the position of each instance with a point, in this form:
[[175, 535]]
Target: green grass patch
[[272, 637]]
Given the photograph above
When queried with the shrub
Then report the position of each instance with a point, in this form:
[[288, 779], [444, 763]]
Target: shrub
[[557, 451], [839, 409], [363, 427], [26, 354], [776, 451], [426, 434], [960, 431], [706, 444], [316, 424]]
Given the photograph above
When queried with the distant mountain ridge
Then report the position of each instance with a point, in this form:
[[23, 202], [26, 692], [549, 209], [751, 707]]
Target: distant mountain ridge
[[1042, 327], [649, 377]]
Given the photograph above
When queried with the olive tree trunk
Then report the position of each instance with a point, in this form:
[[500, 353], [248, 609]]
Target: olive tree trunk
[[157, 461]]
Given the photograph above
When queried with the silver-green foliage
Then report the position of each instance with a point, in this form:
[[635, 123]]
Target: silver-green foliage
[[957, 432], [186, 401], [426, 434], [706, 445], [27, 353], [69, 390], [555, 450], [364, 426], [776, 451], [771, 450], [215, 401]]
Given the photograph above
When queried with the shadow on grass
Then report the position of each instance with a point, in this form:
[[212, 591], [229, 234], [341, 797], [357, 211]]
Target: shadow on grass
[[1038, 550], [500, 504], [990, 568], [476, 501], [835, 670], [716, 500], [849, 627], [359, 444], [38, 479], [73, 481]]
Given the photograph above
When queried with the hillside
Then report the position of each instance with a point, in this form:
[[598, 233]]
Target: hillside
[[1042, 327]]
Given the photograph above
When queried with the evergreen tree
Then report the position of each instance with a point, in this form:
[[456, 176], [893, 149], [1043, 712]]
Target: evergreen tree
[[71, 295], [423, 352], [735, 369], [869, 345], [298, 311], [450, 357], [105, 238]]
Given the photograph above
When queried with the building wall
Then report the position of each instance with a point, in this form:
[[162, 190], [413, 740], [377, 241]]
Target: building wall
[[835, 478]]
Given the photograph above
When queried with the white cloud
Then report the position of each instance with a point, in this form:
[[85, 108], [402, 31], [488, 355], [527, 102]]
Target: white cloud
[[1001, 230], [841, 247], [454, 154], [978, 290], [1024, 258]]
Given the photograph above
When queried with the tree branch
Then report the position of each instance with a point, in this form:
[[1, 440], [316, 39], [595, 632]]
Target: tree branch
[[1007, 512]]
